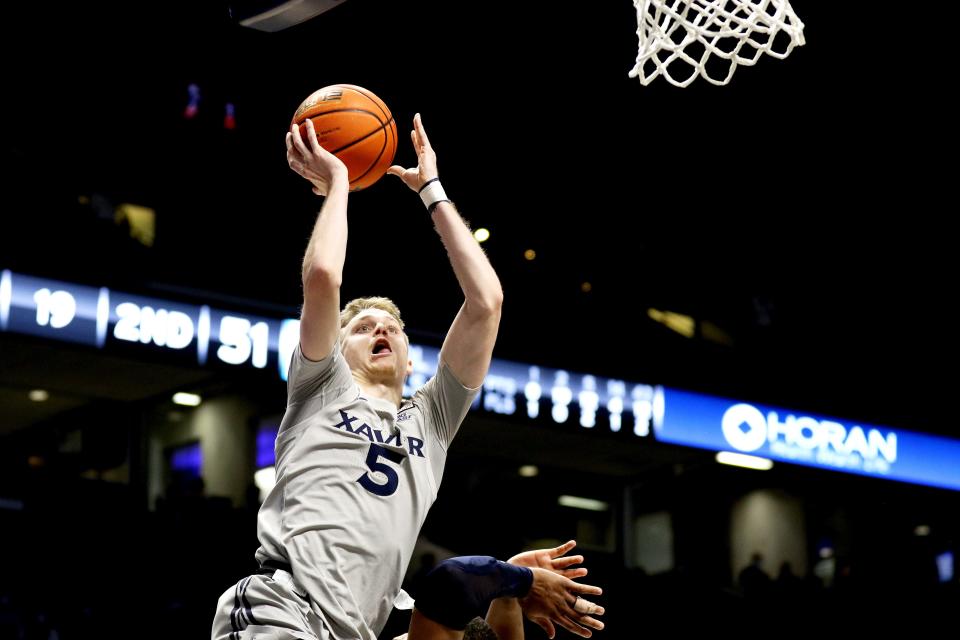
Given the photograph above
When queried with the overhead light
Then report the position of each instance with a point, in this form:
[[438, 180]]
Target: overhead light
[[921, 531], [528, 471], [140, 220], [186, 399], [529, 254], [682, 324], [745, 461], [586, 287], [39, 395], [576, 502], [481, 235]]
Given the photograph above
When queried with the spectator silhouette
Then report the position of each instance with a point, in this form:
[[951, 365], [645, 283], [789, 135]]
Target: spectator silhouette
[[754, 581]]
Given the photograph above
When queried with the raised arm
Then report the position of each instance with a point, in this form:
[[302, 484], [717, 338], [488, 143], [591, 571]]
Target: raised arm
[[505, 617], [504, 621], [468, 346], [459, 589], [326, 250]]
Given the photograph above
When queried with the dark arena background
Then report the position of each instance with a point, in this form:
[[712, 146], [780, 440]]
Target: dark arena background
[[761, 267]]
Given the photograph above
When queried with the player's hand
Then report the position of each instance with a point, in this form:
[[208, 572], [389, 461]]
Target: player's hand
[[554, 599], [552, 560], [313, 162], [426, 168]]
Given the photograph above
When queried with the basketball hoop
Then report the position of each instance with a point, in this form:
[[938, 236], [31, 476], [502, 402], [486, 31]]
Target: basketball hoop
[[687, 33]]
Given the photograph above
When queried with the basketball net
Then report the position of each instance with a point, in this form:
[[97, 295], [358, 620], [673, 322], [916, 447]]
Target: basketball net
[[686, 33]]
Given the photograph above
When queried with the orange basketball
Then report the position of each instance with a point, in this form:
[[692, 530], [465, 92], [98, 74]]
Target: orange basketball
[[356, 126]]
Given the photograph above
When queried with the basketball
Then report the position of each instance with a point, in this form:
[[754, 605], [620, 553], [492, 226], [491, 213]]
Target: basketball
[[356, 126]]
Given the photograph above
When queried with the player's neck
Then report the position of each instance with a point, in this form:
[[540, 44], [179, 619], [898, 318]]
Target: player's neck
[[381, 390]]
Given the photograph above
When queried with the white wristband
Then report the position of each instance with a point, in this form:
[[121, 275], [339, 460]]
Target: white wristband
[[431, 193]]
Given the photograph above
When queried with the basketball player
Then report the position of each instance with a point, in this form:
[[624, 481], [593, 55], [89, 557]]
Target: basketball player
[[358, 467], [536, 583]]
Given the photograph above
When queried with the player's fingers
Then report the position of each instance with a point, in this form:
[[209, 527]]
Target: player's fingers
[[297, 139], [418, 124], [593, 623], [573, 573], [584, 606], [294, 157], [315, 147], [546, 625], [577, 587], [562, 549], [573, 627], [563, 563]]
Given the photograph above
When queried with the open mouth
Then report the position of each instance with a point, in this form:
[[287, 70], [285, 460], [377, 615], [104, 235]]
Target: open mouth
[[381, 346]]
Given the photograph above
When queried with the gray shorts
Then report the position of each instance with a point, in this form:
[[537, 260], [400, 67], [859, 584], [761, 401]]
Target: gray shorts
[[266, 607]]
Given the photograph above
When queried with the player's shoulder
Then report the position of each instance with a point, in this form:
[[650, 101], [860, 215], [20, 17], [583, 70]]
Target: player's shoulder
[[410, 408]]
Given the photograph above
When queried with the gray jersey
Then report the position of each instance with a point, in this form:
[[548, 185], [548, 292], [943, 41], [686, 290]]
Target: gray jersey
[[355, 479]]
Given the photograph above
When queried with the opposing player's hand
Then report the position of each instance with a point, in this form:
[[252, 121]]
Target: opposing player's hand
[[426, 168], [552, 560], [313, 162], [555, 600]]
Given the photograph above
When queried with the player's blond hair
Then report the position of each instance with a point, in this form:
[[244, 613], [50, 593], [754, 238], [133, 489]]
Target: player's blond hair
[[357, 305]]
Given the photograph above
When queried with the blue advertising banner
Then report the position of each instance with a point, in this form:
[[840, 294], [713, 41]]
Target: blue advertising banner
[[718, 424]]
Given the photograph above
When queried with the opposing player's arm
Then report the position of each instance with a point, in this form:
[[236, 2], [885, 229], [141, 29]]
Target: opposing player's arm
[[322, 271], [505, 617], [468, 347], [461, 589], [423, 628], [556, 561]]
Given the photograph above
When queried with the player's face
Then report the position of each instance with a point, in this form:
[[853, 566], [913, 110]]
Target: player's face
[[374, 344]]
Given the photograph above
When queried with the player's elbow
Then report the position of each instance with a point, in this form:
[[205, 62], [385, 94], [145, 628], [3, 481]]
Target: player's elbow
[[489, 302], [496, 299], [321, 278]]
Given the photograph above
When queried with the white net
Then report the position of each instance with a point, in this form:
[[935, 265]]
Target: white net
[[680, 39]]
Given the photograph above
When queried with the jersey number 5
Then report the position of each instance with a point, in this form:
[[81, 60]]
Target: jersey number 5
[[373, 462]]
